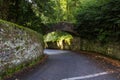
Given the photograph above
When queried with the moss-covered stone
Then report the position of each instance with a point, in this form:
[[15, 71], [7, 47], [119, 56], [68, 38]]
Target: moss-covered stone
[[17, 46]]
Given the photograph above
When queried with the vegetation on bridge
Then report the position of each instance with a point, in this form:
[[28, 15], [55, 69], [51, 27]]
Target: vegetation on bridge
[[58, 37]]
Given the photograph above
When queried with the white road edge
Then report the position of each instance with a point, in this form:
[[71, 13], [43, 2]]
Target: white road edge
[[88, 76]]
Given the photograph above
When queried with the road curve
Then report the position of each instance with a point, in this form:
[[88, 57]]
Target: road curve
[[67, 65]]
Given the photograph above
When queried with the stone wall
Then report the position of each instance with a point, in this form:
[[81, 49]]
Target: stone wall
[[18, 45], [111, 49]]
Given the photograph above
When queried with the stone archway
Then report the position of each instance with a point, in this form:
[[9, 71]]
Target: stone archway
[[64, 26]]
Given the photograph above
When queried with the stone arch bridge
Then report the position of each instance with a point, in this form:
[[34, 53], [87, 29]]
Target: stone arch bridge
[[64, 26]]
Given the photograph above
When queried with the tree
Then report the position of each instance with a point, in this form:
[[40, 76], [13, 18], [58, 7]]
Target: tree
[[21, 12], [99, 20]]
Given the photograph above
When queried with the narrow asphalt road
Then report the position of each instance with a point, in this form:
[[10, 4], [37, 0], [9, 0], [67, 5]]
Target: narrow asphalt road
[[68, 65]]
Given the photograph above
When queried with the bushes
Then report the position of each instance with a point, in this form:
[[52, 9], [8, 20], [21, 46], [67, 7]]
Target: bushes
[[60, 38], [99, 20]]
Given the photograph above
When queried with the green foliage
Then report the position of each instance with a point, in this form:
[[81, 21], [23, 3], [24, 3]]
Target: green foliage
[[96, 19], [21, 12], [54, 11], [59, 37], [99, 19], [4, 5], [29, 17], [35, 14], [56, 36]]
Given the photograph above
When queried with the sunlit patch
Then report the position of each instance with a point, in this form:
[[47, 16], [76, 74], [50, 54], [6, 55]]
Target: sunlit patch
[[30, 1], [58, 37], [52, 52]]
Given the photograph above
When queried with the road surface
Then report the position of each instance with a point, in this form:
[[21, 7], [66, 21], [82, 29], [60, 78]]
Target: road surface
[[68, 65]]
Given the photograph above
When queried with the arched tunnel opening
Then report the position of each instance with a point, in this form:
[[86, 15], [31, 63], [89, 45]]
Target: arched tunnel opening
[[64, 40]]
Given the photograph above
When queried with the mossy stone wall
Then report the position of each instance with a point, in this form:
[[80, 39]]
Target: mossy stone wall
[[111, 49], [18, 45]]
